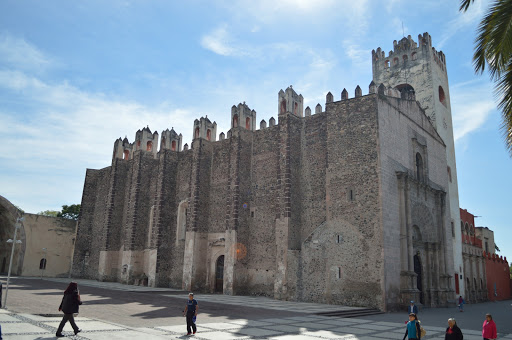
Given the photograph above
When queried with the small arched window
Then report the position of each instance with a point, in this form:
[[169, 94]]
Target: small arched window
[[42, 264], [248, 123], [235, 121], [442, 97], [386, 64], [449, 174], [208, 134], [126, 155], [405, 58], [173, 145], [419, 167], [414, 56], [296, 109], [283, 106], [138, 144], [149, 146], [416, 233], [196, 135], [395, 61]]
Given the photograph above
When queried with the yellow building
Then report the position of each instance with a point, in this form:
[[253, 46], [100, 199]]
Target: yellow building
[[43, 239]]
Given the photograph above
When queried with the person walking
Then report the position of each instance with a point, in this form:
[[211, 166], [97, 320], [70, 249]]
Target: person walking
[[412, 308], [413, 328], [453, 331], [489, 331], [69, 306], [191, 313], [461, 304]]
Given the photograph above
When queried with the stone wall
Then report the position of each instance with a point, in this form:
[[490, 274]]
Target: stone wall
[[306, 210]]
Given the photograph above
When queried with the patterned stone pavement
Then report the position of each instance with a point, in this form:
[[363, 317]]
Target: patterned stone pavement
[[298, 322], [307, 327]]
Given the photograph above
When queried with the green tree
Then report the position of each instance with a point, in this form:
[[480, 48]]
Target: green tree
[[52, 213], [70, 211], [493, 49]]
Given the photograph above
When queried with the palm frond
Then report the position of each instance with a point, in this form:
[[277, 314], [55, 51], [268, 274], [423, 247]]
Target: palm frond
[[503, 91], [494, 40], [464, 5]]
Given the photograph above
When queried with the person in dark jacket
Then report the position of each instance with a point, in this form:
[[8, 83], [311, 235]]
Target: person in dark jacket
[[69, 306], [453, 331]]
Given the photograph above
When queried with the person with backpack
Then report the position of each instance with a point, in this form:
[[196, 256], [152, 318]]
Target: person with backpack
[[453, 331], [461, 304], [191, 313], [413, 329], [69, 306]]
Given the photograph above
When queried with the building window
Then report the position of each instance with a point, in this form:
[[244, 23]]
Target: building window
[[442, 97], [208, 134], [149, 146], [386, 64], [42, 264], [339, 239], [248, 123], [405, 57], [182, 221], [173, 145], [419, 167], [283, 106], [235, 121], [414, 56], [395, 61], [350, 195], [450, 174], [126, 155], [453, 228], [197, 133]]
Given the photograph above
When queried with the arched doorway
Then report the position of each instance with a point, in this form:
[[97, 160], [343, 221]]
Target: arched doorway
[[219, 275], [418, 271]]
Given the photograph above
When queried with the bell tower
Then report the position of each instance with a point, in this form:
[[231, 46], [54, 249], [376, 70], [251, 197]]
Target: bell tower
[[418, 68]]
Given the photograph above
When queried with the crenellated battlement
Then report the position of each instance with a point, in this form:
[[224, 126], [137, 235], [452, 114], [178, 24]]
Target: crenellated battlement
[[407, 51], [171, 140], [242, 116]]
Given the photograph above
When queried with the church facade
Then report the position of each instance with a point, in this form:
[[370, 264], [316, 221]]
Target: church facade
[[348, 204]]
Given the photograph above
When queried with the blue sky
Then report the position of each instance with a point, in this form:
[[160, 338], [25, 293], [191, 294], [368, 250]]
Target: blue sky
[[74, 76]]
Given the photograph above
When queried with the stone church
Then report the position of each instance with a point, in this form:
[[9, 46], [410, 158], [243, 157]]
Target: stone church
[[349, 203]]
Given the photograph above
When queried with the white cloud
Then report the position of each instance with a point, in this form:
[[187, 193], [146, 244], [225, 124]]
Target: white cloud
[[358, 55], [390, 5], [219, 41], [471, 107], [69, 121], [21, 54], [462, 21]]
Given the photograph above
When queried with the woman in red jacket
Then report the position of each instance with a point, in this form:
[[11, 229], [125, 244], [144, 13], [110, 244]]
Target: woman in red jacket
[[489, 328]]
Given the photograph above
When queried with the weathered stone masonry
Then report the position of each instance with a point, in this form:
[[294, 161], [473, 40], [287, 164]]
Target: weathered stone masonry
[[345, 206]]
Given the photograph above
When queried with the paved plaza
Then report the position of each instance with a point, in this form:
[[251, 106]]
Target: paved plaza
[[115, 311]]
